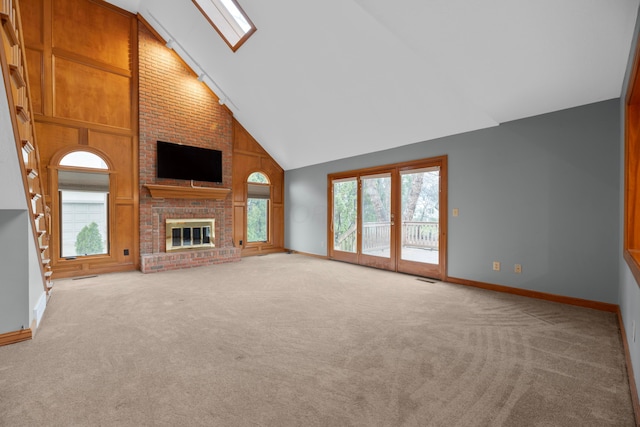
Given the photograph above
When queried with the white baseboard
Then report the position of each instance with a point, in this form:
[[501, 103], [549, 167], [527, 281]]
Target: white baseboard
[[39, 309]]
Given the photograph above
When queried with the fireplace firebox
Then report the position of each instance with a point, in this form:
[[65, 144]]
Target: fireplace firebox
[[197, 233]]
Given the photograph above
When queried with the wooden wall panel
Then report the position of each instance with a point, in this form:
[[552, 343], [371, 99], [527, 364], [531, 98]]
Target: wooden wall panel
[[238, 223], [57, 137], [243, 141], [82, 60], [33, 12], [278, 225], [125, 234], [93, 31], [121, 155], [35, 65], [242, 164], [276, 174], [91, 95], [249, 157]]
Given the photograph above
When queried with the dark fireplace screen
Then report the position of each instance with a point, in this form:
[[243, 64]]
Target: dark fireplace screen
[[189, 234]]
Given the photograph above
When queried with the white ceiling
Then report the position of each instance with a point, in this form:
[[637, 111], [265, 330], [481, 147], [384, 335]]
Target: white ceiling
[[329, 79]]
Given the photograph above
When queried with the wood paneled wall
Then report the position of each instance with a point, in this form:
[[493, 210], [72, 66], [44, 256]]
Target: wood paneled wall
[[249, 157], [82, 58], [82, 68]]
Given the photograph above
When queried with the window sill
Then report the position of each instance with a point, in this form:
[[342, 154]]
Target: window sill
[[632, 256]]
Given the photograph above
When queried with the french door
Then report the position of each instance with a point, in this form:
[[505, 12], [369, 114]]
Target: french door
[[392, 217]]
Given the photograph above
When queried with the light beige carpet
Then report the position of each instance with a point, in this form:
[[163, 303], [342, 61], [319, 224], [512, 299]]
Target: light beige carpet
[[289, 340]]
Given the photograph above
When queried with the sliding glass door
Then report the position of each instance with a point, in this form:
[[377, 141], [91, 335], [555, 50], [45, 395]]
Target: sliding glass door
[[376, 227], [420, 222], [344, 221], [392, 217]]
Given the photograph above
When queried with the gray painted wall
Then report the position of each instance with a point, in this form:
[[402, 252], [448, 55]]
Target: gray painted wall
[[542, 192], [11, 189], [629, 300], [14, 276], [21, 284]]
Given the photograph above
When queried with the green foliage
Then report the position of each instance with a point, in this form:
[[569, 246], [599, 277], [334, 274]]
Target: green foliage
[[345, 209], [257, 217], [89, 240], [420, 198], [427, 204], [258, 178]]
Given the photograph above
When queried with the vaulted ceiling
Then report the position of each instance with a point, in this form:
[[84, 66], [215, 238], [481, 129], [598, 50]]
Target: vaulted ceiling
[[330, 79]]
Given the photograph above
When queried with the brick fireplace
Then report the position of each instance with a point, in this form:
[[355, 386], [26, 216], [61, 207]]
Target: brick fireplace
[[175, 107]]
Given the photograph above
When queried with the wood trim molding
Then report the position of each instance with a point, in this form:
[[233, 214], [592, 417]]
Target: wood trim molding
[[596, 305], [14, 337], [177, 192], [394, 262], [627, 355], [631, 233], [632, 262]]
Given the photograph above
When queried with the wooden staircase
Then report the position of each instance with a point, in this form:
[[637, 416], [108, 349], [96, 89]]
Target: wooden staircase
[[14, 71]]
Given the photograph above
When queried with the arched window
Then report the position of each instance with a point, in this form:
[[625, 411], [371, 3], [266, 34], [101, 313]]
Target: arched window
[[83, 159], [83, 191], [258, 198]]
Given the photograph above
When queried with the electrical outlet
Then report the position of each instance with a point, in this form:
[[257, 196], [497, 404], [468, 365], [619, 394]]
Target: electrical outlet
[[517, 268], [496, 266], [456, 212], [240, 242], [126, 252]]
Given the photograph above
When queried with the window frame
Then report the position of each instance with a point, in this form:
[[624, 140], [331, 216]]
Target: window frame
[[258, 243], [631, 235], [61, 211], [56, 204], [228, 20]]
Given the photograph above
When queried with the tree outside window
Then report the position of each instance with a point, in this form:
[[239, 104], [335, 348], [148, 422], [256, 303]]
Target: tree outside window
[[83, 188], [258, 195]]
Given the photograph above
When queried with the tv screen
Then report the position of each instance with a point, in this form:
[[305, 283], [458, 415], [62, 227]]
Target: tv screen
[[178, 161]]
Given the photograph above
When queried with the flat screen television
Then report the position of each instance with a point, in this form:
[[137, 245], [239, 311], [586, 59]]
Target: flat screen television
[[177, 161]]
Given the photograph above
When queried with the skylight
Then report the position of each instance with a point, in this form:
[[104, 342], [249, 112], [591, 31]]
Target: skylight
[[228, 19]]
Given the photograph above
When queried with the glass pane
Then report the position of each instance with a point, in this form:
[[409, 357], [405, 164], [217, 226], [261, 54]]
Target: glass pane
[[376, 215], [420, 213], [345, 215], [176, 237], [258, 177], [257, 220], [237, 15], [83, 159], [84, 223], [186, 236]]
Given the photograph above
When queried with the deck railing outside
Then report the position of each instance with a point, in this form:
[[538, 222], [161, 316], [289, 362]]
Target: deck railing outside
[[375, 235]]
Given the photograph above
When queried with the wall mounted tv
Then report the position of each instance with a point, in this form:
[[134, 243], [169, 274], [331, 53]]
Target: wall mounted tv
[[177, 161]]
